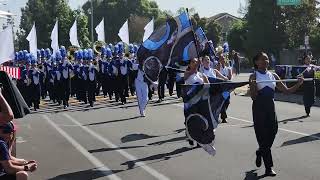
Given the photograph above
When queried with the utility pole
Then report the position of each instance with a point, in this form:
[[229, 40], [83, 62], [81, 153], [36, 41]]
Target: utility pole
[[92, 40]]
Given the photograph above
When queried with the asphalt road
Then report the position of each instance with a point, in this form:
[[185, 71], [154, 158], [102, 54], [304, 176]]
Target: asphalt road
[[111, 141]]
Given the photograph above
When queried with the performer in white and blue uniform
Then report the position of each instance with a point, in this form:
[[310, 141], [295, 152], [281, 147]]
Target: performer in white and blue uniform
[[92, 79], [35, 89], [263, 109], [107, 85], [226, 71], [141, 87], [66, 68]]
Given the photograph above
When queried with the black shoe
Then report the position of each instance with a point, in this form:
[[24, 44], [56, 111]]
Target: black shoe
[[190, 142], [258, 160], [91, 104], [308, 114], [65, 107], [224, 121], [270, 172]]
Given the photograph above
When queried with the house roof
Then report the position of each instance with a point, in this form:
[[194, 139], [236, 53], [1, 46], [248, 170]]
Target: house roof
[[222, 15]]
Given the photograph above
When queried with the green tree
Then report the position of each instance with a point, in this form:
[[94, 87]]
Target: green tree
[[315, 38], [265, 27], [213, 32], [116, 12], [44, 14], [299, 21], [271, 27], [237, 36]]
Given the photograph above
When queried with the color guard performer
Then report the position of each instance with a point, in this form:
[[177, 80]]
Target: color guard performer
[[263, 109]]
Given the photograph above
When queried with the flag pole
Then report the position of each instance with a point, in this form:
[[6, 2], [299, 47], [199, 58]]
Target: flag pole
[[194, 36]]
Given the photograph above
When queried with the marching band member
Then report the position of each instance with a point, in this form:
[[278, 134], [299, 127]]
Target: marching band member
[[48, 71], [34, 86], [131, 72], [114, 69], [66, 68], [141, 88], [92, 79], [98, 61], [83, 85], [108, 71], [263, 108]]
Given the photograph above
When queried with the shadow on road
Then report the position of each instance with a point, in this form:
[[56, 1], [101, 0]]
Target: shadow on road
[[252, 175], [313, 137], [285, 121], [112, 121], [86, 174], [113, 149], [135, 137], [163, 156]]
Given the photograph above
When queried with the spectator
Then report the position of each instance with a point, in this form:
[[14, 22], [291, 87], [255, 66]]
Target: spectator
[[12, 168], [6, 114]]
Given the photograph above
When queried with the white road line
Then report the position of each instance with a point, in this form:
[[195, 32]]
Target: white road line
[[108, 143], [98, 164], [282, 129]]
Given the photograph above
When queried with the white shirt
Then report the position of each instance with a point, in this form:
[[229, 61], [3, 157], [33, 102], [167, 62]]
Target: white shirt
[[195, 78], [123, 69], [225, 71], [262, 77], [209, 72], [65, 72], [91, 73], [35, 77]]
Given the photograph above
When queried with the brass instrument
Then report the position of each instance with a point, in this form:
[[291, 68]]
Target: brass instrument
[[71, 51], [97, 46]]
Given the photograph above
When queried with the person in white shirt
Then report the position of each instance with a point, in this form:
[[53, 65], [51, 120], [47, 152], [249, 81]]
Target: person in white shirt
[[209, 71], [193, 76], [227, 72], [141, 88]]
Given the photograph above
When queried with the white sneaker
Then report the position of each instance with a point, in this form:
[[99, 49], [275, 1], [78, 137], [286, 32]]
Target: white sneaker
[[143, 114], [209, 149]]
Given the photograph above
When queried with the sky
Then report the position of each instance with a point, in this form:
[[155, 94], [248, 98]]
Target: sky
[[206, 8]]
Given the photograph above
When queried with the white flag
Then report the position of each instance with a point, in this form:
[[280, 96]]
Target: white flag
[[124, 33], [32, 38], [100, 31], [54, 39], [74, 35], [6, 45], [148, 30]]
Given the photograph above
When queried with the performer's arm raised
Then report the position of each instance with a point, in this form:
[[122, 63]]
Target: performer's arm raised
[[282, 87]]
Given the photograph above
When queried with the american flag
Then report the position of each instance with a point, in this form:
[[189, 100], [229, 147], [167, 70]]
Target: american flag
[[14, 72]]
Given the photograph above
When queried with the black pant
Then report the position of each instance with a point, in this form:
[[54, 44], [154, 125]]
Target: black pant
[[35, 93], [224, 109], [308, 95], [65, 90], [123, 90], [91, 91], [171, 81], [162, 82], [131, 83], [265, 126]]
